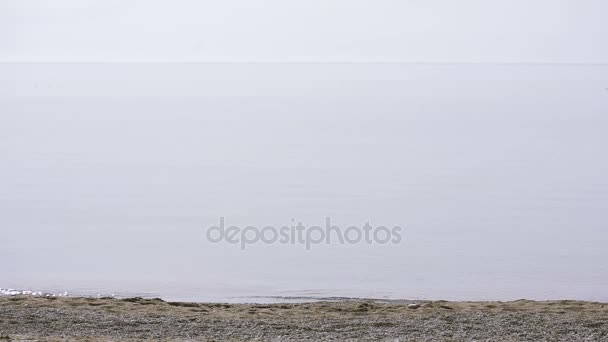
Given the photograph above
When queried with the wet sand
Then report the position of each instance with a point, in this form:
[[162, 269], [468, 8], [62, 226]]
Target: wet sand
[[110, 319]]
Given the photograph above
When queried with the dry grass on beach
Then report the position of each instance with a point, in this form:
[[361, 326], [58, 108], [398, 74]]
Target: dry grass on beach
[[108, 319]]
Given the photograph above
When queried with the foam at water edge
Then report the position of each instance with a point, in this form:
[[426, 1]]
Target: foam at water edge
[[13, 292]]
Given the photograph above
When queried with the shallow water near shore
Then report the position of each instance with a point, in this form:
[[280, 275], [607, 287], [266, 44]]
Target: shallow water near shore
[[111, 172]]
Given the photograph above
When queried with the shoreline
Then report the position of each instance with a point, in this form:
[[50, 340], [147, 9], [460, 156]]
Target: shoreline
[[25, 317]]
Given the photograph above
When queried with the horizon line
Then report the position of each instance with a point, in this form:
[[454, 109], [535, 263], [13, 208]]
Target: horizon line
[[583, 63]]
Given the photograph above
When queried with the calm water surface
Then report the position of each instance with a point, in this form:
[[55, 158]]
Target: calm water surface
[[110, 172]]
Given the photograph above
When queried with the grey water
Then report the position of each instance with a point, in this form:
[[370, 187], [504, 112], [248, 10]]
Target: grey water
[[109, 174]]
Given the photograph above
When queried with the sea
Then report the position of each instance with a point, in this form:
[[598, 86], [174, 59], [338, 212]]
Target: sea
[[112, 174]]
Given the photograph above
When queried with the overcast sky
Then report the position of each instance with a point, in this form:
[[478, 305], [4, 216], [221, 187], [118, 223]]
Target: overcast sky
[[305, 30]]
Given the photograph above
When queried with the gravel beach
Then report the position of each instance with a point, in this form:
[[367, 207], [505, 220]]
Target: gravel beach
[[109, 319]]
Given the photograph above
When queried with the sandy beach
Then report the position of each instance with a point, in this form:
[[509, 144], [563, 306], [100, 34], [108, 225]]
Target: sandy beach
[[109, 319]]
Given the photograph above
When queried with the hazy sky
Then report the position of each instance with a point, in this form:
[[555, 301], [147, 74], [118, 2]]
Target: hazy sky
[[311, 30]]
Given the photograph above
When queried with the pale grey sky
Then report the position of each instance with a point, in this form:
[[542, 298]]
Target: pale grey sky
[[311, 30]]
